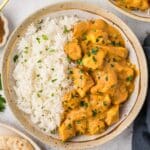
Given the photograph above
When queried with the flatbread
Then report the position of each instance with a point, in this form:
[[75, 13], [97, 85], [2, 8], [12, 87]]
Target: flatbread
[[14, 143]]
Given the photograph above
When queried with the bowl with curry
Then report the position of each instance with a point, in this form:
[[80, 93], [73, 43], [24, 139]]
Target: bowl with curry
[[84, 71], [136, 9]]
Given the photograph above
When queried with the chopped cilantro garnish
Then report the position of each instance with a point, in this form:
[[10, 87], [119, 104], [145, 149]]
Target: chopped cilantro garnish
[[79, 62], [69, 126], [94, 59], [66, 30], [130, 78], [46, 48], [83, 104], [114, 59], [70, 71], [38, 95], [41, 91], [69, 59], [52, 69], [84, 37], [97, 40], [37, 75], [15, 58], [106, 78], [118, 44], [26, 47], [2, 103], [39, 61], [78, 121], [52, 50], [81, 71], [89, 54], [115, 43], [104, 103], [45, 37], [81, 77], [94, 113], [54, 80], [94, 51], [40, 21], [38, 40], [26, 51], [112, 65], [53, 131]]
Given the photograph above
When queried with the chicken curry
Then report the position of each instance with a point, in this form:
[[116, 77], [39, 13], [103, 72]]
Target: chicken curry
[[103, 79], [134, 4]]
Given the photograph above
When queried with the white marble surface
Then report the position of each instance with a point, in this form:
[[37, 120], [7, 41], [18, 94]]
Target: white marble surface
[[17, 10]]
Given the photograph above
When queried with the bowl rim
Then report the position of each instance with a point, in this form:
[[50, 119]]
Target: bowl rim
[[5, 28], [21, 134], [128, 12], [144, 74]]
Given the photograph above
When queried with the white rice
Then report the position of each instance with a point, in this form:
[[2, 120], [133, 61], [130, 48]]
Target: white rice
[[41, 71]]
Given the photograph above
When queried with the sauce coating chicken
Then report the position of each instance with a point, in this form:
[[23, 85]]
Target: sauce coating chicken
[[103, 78]]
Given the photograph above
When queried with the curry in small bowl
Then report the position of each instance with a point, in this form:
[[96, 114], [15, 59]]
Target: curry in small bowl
[[134, 4], [136, 9]]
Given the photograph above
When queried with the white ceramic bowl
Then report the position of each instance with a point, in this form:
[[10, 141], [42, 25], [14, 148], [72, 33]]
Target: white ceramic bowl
[[6, 130]]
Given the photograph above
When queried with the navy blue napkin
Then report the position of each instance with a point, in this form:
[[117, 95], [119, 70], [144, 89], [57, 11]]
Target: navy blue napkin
[[141, 128]]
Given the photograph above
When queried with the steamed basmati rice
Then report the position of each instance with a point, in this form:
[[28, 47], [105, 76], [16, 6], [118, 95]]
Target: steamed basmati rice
[[41, 70]]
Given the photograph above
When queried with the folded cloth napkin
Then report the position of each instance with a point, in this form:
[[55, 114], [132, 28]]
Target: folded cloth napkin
[[141, 128]]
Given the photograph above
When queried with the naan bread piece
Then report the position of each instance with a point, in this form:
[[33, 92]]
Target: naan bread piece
[[14, 143]]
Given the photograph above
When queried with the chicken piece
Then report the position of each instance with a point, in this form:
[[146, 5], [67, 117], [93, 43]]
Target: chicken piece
[[99, 24], [81, 126], [105, 80], [95, 126], [145, 5], [117, 51], [77, 114], [100, 103], [112, 115], [97, 36], [73, 50], [130, 88], [115, 37], [71, 100], [67, 130], [94, 59], [82, 81], [127, 74], [118, 67], [102, 116], [80, 28], [76, 123], [85, 45], [120, 94]]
